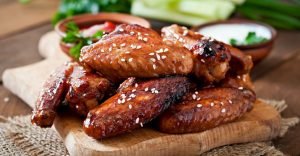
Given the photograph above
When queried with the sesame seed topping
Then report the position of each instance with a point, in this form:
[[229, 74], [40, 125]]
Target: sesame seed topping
[[133, 46], [160, 51], [123, 96], [130, 59], [199, 105], [183, 56], [133, 90], [198, 98], [122, 59], [166, 49], [110, 48], [196, 92], [138, 47], [114, 45], [137, 120], [127, 52], [223, 110], [146, 89], [102, 50], [222, 103], [128, 99], [158, 57], [140, 38], [129, 106], [239, 77], [240, 88], [163, 57], [202, 60], [145, 39], [152, 59], [6, 99], [151, 54], [139, 33], [194, 96], [154, 66], [121, 29], [230, 101], [131, 33], [132, 95], [141, 124], [119, 101], [212, 104], [185, 32], [136, 85], [123, 44]]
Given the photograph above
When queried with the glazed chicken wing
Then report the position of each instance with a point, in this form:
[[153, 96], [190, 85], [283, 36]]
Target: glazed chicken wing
[[178, 35], [206, 108], [80, 87], [137, 103], [135, 51]]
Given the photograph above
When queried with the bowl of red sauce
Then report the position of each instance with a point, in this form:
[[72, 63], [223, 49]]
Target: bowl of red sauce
[[86, 29]]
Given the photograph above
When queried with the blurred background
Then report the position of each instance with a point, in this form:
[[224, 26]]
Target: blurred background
[[23, 22]]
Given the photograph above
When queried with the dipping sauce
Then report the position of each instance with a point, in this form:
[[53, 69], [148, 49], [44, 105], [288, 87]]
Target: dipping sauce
[[227, 31]]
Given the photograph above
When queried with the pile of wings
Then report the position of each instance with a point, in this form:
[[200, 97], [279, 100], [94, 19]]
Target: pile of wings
[[180, 80]]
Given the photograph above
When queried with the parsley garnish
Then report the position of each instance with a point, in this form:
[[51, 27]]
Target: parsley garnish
[[250, 39], [74, 36]]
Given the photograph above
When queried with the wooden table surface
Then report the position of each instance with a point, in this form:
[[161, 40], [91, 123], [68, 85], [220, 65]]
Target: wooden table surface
[[277, 77]]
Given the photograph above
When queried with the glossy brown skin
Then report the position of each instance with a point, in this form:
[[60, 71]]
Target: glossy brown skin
[[178, 35], [133, 106], [206, 109], [80, 87], [135, 51]]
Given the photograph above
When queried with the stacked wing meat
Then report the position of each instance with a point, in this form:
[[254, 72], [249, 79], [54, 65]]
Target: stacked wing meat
[[187, 82]]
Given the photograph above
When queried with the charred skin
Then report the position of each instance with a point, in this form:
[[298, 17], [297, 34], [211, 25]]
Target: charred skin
[[135, 51], [81, 88], [206, 109], [134, 106], [239, 62]]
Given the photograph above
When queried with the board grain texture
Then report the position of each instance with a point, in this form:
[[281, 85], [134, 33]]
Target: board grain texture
[[262, 123]]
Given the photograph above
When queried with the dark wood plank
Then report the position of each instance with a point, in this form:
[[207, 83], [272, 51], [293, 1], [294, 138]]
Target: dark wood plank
[[285, 47], [21, 49], [11, 105], [284, 83], [16, 17]]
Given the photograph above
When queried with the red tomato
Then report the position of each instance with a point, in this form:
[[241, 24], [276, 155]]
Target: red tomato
[[109, 26]]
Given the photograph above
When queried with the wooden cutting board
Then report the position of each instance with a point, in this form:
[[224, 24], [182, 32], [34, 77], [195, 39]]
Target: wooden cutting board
[[262, 123]]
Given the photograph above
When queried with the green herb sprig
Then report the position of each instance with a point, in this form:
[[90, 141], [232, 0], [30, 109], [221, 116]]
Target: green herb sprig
[[250, 39], [74, 36]]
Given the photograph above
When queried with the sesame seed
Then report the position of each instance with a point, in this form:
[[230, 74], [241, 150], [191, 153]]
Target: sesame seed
[[240, 88], [153, 59], [230, 101], [123, 96], [123, 101], [131, 33], [110, 48], [130, 59], [180, 40], [132, 95], [202, 60], [137, 120], [129, 106], [154, 66], [160, 51], [123, 44], [199, 105], [196, 92], [128, 99], [194, 96], [156, 92], [223, 110], [209, 49], [145, 39], [133, 90], [140, 38], [139, 47], [146, 89], [151, 54], [119, 101], [183, 56], [139, 33], [198, 98], [239, 77], [133, 46], [185, 32], [122, 59], [163, 57], [102, 50], [212, 104], [141, 124], [127, 52], [222, 103], [121, 29], [114, 45], [158, 57], [136, 85], [146, 34], [166, 49]]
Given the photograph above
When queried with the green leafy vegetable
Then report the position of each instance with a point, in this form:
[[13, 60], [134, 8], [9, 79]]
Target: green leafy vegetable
[[74, 36], [68, 8], [250, 39]]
